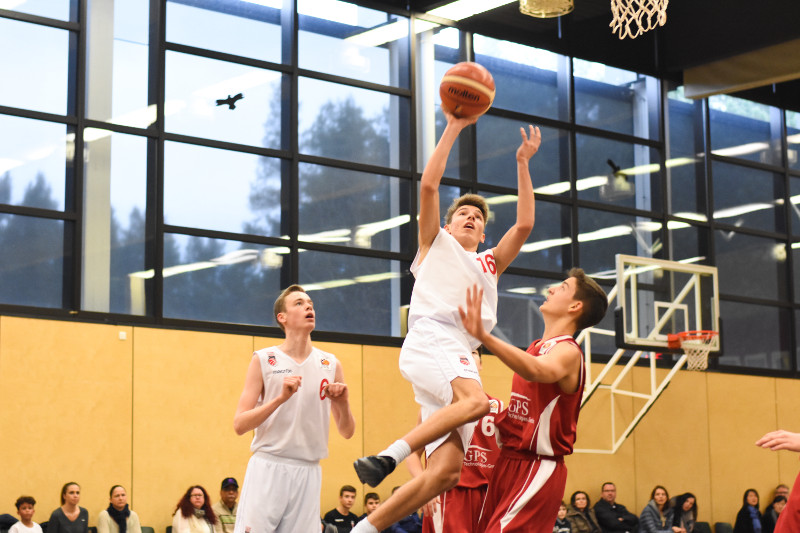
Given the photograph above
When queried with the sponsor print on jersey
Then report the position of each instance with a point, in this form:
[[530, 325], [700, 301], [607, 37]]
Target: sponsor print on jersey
[[464, 360], [271, 360], [547, 346], [518, 408], [325, 363], [322, 385], [494, 406], [477, 456]]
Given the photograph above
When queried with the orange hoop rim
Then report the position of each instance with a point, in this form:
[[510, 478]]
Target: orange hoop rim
[[697, 335]]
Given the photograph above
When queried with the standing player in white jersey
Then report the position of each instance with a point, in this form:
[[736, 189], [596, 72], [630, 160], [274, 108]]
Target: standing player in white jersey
[[289, 392], [537, 429], [435, 356]]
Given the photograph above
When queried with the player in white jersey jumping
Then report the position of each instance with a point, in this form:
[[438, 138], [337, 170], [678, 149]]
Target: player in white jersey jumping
[[289, 392], [436, 354]]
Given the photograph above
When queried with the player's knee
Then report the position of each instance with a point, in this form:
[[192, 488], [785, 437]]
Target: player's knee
[[478, 406], [447, 478]]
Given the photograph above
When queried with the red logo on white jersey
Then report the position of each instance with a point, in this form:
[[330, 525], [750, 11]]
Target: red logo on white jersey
[[271, 360], [464, 361], [322, 385]]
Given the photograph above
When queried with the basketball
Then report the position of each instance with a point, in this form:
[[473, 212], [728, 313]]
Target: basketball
[[467, 90]]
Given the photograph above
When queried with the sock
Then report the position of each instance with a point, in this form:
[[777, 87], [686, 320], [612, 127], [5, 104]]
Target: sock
[[398, 451], [364, 527]]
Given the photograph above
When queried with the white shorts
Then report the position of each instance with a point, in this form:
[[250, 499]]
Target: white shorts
[[433, 355], [279, 495]]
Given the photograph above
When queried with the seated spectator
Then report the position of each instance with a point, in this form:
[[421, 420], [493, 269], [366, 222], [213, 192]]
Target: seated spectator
[[748, 520], [684, 514], [69, 518], [410, 524], [225, 508], [25, 509], [581, 515], [562, 524], [771, 514], [340, 516], [656, 516], [371, 502], [118, 518], [193, 514], [781, 490], [612, 516]]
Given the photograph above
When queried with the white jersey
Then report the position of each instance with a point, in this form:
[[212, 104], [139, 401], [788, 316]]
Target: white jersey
[[298, 429], [442, 280]]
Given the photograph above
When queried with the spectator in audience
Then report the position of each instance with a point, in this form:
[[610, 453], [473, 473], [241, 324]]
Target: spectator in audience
[[410, 524], [581, 515], [562, 524], [225, 508], [612, 516], [684, 514], [193, 514], [340, 516], [118, 518], [781, 490], [656, 516], [371, 502], [25, 509], [69, 518], [771, 514], [748, 520]]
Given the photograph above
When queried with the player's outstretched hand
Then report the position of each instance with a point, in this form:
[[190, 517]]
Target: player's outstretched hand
[[471, 318], [459, 123], [290, 386], [780, 440], [530, 143], [336, 391]]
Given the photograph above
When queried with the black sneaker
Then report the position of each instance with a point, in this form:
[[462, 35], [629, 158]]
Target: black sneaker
[[374, 469]]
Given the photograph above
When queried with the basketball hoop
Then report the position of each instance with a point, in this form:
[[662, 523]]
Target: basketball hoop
[[631, 18], [697, 345], [546, 8]]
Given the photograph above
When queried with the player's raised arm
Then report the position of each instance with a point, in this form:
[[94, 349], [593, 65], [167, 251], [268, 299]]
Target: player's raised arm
[[429, 216], [559, 365], [340, 404], [509, 246], [780, 440], [248, 416]]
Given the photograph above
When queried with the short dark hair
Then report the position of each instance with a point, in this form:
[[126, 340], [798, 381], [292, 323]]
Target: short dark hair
[[371, 496], [603, 486], [347, 488], [475, 200], [280, 302], [593, 298], [24, 499]]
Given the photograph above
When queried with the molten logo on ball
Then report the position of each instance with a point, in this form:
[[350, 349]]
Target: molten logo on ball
[[467, 90]]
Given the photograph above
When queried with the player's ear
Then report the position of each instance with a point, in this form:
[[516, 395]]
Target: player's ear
[[281, 317], [576, 306], [483, 237], [447, 228]]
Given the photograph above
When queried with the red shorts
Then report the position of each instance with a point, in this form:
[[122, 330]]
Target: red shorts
[[524, 494], [789, 519], [458, 513]]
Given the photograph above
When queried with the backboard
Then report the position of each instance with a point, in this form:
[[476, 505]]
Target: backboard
[[656, 298]]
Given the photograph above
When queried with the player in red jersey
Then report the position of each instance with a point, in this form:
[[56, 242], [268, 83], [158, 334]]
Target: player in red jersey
[[789, 519], [458, 509], [537, 429]]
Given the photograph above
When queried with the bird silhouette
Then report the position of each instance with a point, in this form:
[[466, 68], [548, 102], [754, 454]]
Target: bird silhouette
[[231, 101]]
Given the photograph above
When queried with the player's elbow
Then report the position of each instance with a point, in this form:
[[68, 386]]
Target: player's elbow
[[239, 427]]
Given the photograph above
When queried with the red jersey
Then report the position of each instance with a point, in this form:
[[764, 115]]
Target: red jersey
[[540, 417], [480, 458]]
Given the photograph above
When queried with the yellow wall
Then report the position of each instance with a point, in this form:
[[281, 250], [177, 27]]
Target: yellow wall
[[152, 409]]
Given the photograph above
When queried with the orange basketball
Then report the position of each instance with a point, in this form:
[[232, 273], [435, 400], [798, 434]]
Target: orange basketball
[[467, 89]]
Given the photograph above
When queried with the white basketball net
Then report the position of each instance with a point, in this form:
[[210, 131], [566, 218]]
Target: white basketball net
[[631, 18], [697, 351]]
